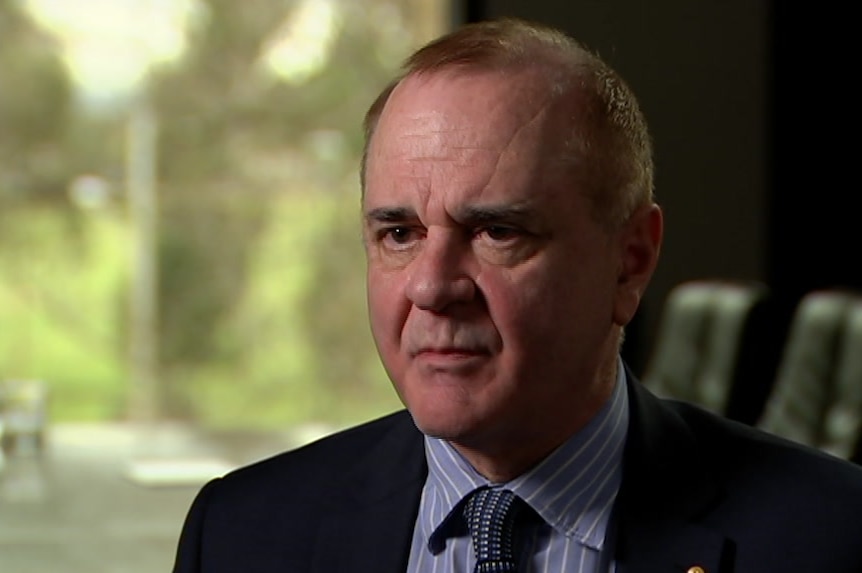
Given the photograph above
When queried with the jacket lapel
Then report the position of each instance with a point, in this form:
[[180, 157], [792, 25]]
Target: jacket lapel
[[368, 527], [670, 548], [667, 483]]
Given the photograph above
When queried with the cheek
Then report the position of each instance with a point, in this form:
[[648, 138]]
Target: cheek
[[517, 301], [386, 309], [538, 305]]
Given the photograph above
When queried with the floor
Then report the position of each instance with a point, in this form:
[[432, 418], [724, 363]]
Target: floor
[[112, 498]]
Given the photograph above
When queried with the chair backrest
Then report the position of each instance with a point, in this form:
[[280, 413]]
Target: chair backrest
[[701, 332], [819, 369], [842, 417]]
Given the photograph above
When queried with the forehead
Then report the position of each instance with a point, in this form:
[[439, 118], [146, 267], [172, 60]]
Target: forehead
[[466, 129], [480, 107]]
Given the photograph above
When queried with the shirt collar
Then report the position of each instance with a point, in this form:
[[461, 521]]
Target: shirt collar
[[572, 489]]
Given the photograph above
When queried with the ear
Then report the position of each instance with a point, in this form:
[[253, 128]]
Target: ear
[[639, 243]]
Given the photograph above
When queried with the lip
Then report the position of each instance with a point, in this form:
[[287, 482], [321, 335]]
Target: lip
[[453, 351], [450, 357]]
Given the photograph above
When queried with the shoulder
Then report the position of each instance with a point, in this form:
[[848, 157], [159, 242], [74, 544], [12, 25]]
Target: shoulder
[[245, 516], [304, 478], [676, 448], [779, 505], [797, 501], [783, 503], [680, 433], [742, 453], [314, 465]]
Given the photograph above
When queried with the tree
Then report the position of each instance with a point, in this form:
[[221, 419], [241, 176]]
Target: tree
[[35, 101], [239, 145]]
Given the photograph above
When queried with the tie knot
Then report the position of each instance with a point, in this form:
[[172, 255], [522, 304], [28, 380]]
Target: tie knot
[[491, 515]]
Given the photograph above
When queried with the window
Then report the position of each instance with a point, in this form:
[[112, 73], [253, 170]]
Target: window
[[181, 273]]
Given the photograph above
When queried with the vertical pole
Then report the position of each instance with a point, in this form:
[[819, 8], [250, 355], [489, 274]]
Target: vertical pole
[[141, 183]]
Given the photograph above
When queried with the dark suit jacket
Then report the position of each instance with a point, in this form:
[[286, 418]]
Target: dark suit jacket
[[697, 490]]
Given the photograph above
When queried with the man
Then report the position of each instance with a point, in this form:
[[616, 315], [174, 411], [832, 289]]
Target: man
[[510, 231]]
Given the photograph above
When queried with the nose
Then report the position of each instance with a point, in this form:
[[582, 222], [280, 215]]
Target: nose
[[439, 274]]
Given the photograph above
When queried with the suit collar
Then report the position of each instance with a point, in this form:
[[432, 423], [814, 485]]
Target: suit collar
[[666, 484], [368, 526]]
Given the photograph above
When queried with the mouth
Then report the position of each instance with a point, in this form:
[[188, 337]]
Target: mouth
[[450, 358], [453, 351]]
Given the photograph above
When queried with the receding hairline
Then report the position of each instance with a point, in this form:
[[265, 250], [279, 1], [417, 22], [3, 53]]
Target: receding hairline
[[500, 45], [511, 46]]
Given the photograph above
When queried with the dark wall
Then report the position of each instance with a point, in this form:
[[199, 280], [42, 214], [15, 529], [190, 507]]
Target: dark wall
[[814, 241], [699, 70], [745, 110]]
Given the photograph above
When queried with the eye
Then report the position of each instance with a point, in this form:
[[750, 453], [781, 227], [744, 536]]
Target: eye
[[500, 233], [398, 235]]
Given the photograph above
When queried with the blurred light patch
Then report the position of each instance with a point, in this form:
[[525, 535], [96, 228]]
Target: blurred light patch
[[90, 191], [109, 45], [303, 44]]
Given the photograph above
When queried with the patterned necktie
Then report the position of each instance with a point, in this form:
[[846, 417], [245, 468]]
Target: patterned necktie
[[490, 515]]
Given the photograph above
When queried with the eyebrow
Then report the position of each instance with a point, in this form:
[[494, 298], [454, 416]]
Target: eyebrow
[[483, 215], [473, 215], [390, 214]]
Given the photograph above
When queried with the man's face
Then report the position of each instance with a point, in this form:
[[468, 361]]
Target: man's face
[[493, 295]]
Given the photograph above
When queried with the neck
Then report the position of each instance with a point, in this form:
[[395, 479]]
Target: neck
[[503, 458]]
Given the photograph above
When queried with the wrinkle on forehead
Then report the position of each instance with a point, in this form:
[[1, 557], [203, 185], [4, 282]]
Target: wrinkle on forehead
[[436, 135], [507, 127]]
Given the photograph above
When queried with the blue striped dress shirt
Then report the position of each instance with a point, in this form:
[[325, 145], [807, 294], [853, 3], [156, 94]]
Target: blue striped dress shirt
[[572, 490]]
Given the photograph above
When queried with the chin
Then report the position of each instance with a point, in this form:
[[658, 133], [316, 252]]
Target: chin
[[447, 425], [448, 407]]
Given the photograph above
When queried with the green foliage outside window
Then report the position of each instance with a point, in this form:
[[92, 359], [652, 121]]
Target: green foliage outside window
[[261, 310]]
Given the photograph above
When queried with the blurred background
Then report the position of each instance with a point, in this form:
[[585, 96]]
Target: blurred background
[[181, 274]]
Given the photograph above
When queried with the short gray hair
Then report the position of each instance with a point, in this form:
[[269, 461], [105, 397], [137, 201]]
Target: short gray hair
[[621, 173]]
